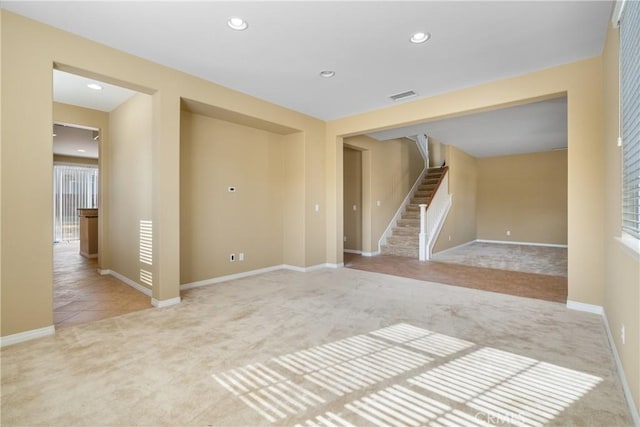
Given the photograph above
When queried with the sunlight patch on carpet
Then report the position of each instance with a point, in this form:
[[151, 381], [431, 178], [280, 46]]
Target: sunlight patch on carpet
[[427, 378]]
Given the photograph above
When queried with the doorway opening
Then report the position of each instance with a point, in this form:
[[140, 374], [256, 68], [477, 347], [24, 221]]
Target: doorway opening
[[94, 125]]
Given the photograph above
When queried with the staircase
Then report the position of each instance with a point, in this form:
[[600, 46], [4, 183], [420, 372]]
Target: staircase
[[404, 238]]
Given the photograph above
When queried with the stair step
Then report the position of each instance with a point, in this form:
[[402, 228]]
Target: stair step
[[408, 223], [405, 231], [422, 193], [411, 215], [408, 241], [400, 251], [420, 200]]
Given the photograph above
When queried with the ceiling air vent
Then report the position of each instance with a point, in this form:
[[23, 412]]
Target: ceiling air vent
[[403, 95]]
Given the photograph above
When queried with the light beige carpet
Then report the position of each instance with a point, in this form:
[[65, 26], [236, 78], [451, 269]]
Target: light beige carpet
[[330, 347], [547, 260]]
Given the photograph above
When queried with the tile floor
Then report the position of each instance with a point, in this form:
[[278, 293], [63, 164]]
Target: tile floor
[[529, 285], [81, 295]]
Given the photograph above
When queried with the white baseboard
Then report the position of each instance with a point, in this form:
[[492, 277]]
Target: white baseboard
[[165, 302], [127, 281], [599, 310], [589, 308], [352, 251], [249, 273], [27, 336], [333, 265], [623, 379], [505, 242], [228, 277], [310, 268]]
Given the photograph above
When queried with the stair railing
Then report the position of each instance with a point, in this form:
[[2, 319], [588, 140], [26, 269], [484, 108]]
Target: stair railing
[[432, 219], [422, 141], [423, 148]]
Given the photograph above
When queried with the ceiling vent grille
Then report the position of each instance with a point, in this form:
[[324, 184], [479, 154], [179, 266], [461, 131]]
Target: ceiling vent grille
[[403, 95]]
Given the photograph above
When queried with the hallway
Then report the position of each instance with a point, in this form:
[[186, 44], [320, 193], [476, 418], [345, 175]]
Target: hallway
[[81, 295]]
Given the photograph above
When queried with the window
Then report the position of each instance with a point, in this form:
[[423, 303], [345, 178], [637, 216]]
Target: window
[[73, 187], [630, 88]]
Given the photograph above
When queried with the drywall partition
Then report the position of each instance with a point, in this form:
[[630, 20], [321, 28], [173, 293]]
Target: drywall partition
[[232, 186], [524, 194], [353, 206], [129, 185], [581, 82], [29, 51], [460, 224], [622, 264], [390, 168], [65, 113], [57, 158], [293, 220]]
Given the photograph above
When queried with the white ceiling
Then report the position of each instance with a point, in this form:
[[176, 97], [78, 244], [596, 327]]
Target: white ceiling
[[72, 89], [69, 139], [539, 126], [288, 43]]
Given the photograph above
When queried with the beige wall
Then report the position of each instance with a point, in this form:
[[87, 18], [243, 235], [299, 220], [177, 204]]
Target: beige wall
[[581, 82], [215, 155], [57, 158], [437, 153], [622, 266], [129, 184], [352, 166], [390, 168], [460, 225], [294, 204], [29, 50], [525, 194]]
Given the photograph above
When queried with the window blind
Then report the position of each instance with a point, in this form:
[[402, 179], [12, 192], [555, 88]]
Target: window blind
[[630, 88], [73, 187]]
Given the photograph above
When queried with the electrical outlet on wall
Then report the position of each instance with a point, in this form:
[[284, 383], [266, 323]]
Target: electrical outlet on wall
[[345, 238], [508, 232], [241, 256]]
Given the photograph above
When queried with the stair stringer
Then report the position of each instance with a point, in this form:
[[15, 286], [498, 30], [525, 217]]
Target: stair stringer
[[399, 212]]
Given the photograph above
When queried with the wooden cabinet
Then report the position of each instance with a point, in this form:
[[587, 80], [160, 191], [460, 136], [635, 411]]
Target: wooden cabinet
[[88, 232]]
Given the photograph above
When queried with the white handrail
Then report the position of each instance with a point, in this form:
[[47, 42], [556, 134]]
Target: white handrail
[[432, 219], [423, 145]]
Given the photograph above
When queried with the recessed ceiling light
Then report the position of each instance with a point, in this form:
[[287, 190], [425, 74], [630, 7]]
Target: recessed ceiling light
[[80, 150], [94, 86], [327, 74], [237, 24], [420, 37]]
